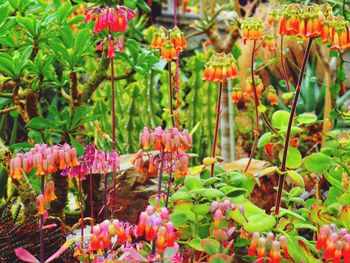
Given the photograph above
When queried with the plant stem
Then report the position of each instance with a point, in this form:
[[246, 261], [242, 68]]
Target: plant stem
[[169, 181], [42, 248], [283, 67], [91, 202], [171, 94], [218, 112], [177, 80], [81, 212], [105, 197], [256, 100], [290, 122], [160, 175], [113, 124]]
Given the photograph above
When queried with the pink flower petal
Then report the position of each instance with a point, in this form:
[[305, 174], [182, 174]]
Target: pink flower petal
[[25, 255]]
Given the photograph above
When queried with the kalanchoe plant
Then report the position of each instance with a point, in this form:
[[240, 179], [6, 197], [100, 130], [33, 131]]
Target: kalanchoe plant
[[171, 43], [112, 19], [46, 160], [220, 68], [172, 159]]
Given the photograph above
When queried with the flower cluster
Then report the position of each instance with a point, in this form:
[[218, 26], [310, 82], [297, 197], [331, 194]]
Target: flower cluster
[[220, 209], [315, 21], [104, 232], [261, 246], [154, 224], [44, 199], [252, 29], [115, 19], [112, 18], [259, 86], [170, 42], [172, 143], [269, 42], [93, 161], [45, 159], [237, 94], [272, 96], [274, 18], [335, 245], [220, 67]]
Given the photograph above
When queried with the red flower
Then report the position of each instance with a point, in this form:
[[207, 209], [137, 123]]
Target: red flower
[[272, 96], [237, 95]]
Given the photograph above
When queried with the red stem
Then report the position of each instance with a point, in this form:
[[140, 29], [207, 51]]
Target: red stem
[[171, 94], [218, 112], [42, 244], [81, 212], [283, 67], [113, 125], [169, 180], [290, 122], [160, 175], [256, 100], [91, 202]]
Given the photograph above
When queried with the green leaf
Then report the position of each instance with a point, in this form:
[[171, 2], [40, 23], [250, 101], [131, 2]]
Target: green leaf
[[178, 218], [259, 223], [296, 178], [210, 246], [211, 193], [231, 191], [76, 145], [39, 123], [193, 182], [317, 162], [130, 3], [287, 95], [306, 118], [7, 66], [142, 4], [201, 209], [294, 158], [196, 244], [264, 139], [280, 119], [79, 113], [181, 196], [344, 199], [290, 213], [211, 181], [269, 170]]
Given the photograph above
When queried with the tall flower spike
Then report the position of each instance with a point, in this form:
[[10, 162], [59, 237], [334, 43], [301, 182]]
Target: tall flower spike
[[220, 67]]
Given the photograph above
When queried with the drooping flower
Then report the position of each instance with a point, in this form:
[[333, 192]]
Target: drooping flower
[[220, 67], [253, 244], [237, 95], [272, 96], [273, 18], [168, 51], [178, 39], [269, 42], [50, 192], [40, 204]]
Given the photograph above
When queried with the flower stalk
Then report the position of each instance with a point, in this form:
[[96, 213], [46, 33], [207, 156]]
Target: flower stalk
[[171, 94], [256, 101], [290, 122], [42, 245], [217, 120]]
